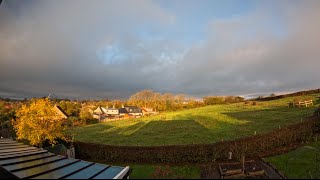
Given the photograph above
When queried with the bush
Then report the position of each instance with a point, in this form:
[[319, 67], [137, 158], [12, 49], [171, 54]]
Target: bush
[[213, 100], [91, 121], [58, 149], [254, 103]]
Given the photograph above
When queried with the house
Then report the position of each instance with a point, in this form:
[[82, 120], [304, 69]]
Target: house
[[61, 113], [99, 113], [123, 111], [133, 110], [102, 113], [112, 111], [148, 111]]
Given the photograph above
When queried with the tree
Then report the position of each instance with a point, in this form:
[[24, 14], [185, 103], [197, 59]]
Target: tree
[[240, 150], [143, 98], [39, 122], [7, 112], [86, 116], [71, 108]]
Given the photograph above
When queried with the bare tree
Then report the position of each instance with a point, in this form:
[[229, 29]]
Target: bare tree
[[240, 150]]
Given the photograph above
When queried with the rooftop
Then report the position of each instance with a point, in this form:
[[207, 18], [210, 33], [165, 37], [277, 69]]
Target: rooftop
[[22, 161]]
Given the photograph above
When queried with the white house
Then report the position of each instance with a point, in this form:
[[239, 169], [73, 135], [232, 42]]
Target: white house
[[112, 111]]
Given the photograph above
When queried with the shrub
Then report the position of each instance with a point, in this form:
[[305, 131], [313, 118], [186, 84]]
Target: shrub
[[212, 100], [91, 121], [254, 103]]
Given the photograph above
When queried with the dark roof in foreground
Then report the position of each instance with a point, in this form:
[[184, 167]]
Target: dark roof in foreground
[[22, 161]]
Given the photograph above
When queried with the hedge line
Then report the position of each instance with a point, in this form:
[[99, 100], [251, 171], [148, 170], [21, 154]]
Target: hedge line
[[262, 145], [301, 93]]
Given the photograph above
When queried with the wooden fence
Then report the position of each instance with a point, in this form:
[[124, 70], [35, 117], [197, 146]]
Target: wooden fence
[[301, 103]]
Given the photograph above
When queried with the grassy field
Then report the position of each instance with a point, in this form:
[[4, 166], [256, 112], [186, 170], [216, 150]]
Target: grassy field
[[195, 126], [161, 171], [303, 163]]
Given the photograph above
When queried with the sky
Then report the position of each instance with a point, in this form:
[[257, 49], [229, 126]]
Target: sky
[[111, 49]]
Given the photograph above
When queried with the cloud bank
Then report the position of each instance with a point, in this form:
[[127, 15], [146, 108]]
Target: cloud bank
[[112, 49]]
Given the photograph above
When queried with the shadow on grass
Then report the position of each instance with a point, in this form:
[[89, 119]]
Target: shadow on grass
[[195, 129], [164, 132], [280, 113], [268, 119]]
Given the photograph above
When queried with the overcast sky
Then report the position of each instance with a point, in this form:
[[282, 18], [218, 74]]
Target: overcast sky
[[112, 49]]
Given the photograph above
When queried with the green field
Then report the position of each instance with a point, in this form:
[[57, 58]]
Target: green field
[[303, 163], [162, 171], [196, 126]]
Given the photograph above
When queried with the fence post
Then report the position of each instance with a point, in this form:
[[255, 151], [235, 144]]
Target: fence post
[[71, 152]]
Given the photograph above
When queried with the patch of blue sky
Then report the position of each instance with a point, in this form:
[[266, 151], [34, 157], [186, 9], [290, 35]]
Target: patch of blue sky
[[192, 17], [115, 54]]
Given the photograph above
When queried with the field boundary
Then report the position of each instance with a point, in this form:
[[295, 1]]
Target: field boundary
[[264, 145]]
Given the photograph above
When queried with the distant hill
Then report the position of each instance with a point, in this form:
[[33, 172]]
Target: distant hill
[[300, 93]]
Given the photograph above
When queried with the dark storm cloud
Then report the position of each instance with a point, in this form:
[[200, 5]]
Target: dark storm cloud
[[52, 46]]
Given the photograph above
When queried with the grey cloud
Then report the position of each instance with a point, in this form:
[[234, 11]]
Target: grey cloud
[[51, 47], [232, 63]]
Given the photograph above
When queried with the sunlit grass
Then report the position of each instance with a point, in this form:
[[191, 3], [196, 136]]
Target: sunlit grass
[[196, 126], [303, 163]]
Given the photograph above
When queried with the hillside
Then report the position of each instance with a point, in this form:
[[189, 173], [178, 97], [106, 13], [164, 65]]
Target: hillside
[[201, 125]]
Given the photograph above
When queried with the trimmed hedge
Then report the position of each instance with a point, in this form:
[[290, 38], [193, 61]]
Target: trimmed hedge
[[301, 93], [262, 145]]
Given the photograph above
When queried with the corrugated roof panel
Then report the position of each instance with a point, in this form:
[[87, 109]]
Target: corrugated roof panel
[[109, 173], [43, 169], [60, 173], [22, 154], [88, 172], [24, 159], [16, 167]]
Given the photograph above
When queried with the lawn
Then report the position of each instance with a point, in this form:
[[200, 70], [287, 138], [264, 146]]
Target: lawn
[[162, 171], [196, 126], [303, 163]]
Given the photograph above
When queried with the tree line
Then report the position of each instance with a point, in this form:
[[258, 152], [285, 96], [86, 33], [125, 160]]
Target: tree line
[[163, 102]]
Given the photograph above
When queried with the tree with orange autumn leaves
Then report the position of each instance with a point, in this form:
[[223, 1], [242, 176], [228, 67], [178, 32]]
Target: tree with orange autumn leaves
[[38, 122]]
